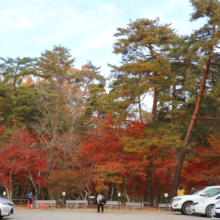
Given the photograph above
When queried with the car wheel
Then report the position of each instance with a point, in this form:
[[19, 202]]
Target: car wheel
[[1, 217], [187, 209], [182, 212], [208, 211]]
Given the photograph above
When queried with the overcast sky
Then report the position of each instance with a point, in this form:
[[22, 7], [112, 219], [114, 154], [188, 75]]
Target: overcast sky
[[28, 27]]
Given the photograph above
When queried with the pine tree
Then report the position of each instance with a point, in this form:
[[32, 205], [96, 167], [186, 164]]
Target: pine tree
[[144, 46], [92, 85], [204, 44], [16, 98]]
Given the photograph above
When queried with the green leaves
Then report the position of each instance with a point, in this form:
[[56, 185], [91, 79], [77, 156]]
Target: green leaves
[[144, 46], [17, 97], [205, 8]]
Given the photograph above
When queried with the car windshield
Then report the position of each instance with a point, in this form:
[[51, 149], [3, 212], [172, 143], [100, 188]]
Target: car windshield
[[215, 194], [195, 193]]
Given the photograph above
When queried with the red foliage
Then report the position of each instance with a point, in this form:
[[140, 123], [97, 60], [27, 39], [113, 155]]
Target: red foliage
[[203, 169], [113, 164], [19, 157]]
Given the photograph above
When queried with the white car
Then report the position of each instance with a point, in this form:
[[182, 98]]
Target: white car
[[6, 207], [204, 206], [216, 211], [183, 203]]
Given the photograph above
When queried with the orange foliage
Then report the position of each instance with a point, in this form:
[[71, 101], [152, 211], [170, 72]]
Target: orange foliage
[[28, 80]]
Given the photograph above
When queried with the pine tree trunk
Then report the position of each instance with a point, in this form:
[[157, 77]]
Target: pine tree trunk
[[53, 142], [140, 110], [154, 109], [178, 171], [149, 173], [16, 115], [189, 132], [16, 104], [56, 119], [99, 113], [173, 105]]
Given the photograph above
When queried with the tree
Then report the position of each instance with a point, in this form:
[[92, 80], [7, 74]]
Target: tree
[[205, 164], [160, 141], [62, 102], [54, 66], [144, 46], [113, 167], [73, 182], [20, 158], [16, 98], [94, 84], [202, 52]]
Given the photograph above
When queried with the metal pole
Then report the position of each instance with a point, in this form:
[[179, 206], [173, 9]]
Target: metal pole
[[166, 203], [92, 203], [63, 202], [141, 204], [119, 203], [35, 198]]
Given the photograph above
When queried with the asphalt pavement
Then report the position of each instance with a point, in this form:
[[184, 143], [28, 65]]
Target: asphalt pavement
[[91, 214]]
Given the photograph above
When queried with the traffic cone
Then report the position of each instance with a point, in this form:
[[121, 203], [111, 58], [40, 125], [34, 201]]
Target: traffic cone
[[41, 206], [28, 205]]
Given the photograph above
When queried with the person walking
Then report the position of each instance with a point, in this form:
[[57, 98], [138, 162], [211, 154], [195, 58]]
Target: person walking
[[193, 190], [180, 191], [30, 195], [100, 202]]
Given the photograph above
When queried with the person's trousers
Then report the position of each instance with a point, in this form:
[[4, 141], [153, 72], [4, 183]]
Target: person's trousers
[[102, 207]]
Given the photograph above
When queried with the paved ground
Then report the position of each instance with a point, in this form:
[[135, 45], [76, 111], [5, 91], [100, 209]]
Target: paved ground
[[92, 215]]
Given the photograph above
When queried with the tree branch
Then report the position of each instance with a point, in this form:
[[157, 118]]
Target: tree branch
[[217, 64], [207, 118]]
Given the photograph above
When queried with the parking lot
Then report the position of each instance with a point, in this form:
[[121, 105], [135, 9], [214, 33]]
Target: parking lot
[[82, 214]]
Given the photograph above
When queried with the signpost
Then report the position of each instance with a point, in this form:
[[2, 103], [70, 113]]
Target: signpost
[[141, 203], [166, 196], [119, 194], [92, 197], [63, 193]]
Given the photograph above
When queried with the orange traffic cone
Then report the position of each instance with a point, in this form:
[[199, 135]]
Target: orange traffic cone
[[41, 206], [28, 205]]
